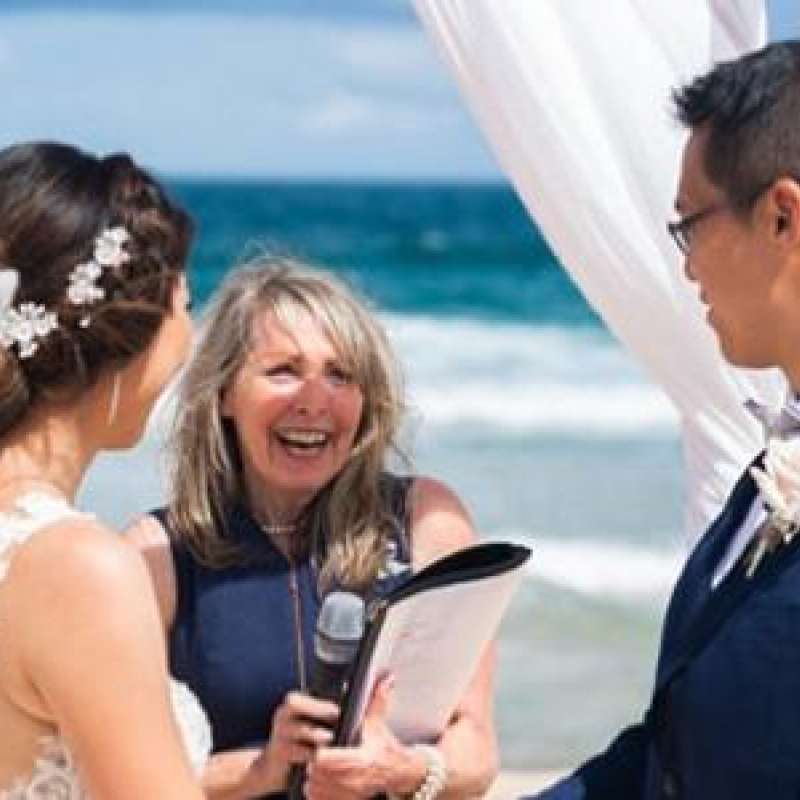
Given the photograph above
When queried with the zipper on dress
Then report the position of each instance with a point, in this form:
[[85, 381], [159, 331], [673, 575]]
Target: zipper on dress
[[294, 590]]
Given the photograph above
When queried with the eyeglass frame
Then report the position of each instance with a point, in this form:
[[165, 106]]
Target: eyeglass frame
[[680, 230]]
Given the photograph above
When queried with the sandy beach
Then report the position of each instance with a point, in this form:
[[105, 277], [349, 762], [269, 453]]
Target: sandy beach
[[515, 783]]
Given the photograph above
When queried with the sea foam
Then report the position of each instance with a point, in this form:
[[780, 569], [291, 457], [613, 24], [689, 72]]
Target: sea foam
[[525, 378], [604, 569]]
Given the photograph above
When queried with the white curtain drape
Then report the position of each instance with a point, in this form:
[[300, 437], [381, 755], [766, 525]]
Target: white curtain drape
[[574, 99]]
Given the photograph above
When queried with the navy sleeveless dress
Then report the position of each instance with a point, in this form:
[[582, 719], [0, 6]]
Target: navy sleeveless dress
[[243, 635]]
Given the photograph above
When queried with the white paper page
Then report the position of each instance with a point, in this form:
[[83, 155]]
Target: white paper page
[[432, 642]]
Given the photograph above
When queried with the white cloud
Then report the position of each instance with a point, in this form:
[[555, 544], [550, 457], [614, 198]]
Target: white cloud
[[338, 113], [385, 53], [344, 114]]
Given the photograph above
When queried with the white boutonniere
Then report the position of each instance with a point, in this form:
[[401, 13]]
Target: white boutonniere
[[779, 484]]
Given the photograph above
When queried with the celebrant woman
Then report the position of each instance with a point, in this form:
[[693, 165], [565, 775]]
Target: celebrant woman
[[280, 492]]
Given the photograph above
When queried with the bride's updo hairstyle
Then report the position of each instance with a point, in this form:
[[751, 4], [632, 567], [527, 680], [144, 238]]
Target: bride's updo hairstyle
[[55, 201]]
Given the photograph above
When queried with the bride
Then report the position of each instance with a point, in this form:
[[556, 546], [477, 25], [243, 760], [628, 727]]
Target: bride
[[93, 323]]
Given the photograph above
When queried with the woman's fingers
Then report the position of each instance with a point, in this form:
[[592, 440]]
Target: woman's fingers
[[301, 725], [304, 705], [304, 733], [341, 772], [312, 734]]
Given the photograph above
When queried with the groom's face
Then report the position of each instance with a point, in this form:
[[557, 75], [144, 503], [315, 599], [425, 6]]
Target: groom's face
[[727, 260]]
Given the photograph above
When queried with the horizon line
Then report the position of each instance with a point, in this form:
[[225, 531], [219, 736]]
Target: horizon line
[[401, 180]]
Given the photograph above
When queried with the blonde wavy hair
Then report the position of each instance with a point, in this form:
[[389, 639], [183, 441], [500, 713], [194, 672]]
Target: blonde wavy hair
[[347, 523]]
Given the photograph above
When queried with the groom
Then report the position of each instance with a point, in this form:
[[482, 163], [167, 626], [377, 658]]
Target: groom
[[724, 719]]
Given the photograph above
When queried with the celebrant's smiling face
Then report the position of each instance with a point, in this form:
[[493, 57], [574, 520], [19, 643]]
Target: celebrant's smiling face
[[296, 411], [728, 257]]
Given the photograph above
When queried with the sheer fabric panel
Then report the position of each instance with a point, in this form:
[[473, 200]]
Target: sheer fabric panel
[[574, 99]]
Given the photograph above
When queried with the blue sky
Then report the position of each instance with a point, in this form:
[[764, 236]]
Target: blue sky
[[331, 88]]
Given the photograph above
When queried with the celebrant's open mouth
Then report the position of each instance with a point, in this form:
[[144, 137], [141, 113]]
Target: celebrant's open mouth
[[303, 441]]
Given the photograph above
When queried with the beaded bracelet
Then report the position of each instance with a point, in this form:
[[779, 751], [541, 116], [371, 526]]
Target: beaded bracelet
[[435, 775]]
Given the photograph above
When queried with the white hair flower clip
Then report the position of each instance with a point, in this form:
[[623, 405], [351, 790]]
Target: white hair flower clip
[[9, 280], [108, 254], [25, 326], [108, 246]]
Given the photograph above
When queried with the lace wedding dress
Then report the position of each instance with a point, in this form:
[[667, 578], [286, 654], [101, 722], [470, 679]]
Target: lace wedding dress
[[54, 776]]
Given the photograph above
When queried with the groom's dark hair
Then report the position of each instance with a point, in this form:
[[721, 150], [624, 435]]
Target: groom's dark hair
[[751, 108]]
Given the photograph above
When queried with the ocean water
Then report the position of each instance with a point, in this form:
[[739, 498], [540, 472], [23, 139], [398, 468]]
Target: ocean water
[[519, 399]]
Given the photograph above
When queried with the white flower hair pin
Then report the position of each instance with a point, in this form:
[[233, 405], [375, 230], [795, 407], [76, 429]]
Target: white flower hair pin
[[23, 326], [9, 280], [108, 254]]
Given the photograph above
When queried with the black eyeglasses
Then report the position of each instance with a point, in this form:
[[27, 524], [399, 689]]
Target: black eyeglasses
[[681, 230]]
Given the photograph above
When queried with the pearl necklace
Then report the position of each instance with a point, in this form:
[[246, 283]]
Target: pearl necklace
[[278, 528]]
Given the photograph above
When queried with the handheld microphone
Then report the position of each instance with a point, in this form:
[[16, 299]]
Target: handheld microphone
[[340, 626]]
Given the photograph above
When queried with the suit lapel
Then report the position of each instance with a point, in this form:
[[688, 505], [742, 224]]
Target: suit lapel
[[722, 603], [693, 588]]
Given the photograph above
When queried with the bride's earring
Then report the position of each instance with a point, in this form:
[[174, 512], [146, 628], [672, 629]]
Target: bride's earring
[[113, 403]]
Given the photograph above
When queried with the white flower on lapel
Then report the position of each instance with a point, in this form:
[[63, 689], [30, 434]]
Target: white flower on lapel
[[779, 484]]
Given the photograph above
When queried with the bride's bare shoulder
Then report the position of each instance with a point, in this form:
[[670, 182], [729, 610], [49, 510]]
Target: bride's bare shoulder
[[73, 563], [79, 596]]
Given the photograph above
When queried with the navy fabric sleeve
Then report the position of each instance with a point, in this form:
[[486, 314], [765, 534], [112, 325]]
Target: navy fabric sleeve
[[617, 774]]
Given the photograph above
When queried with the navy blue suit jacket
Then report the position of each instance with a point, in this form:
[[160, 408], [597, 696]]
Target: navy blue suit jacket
[[724, 721]]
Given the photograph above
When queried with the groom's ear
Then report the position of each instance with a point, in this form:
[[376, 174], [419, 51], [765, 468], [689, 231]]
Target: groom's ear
[[783, 211]]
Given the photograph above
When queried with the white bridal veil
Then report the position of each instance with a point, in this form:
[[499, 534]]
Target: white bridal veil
[[573, 97]]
